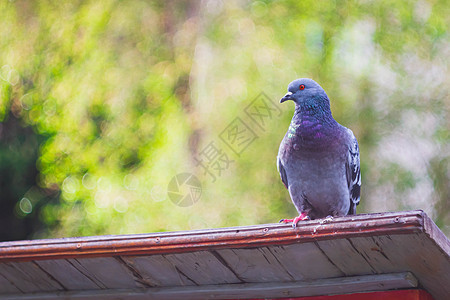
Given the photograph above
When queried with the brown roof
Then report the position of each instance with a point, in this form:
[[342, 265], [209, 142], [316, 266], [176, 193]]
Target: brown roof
[[350, 254]]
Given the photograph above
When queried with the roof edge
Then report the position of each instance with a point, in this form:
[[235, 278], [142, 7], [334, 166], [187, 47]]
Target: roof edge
[[232, 237], [437, 236]]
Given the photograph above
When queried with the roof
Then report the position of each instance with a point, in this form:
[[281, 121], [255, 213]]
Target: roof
[[366, 252]]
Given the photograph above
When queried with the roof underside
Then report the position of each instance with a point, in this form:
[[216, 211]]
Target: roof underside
[[349, 254]]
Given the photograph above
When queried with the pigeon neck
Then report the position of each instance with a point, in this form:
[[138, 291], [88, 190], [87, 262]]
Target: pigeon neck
[[314, 126], [315, 114]]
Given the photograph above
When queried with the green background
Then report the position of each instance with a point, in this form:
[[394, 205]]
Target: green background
[[102, 103]]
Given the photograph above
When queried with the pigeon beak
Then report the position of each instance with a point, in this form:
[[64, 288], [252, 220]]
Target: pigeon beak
[[286, 97]]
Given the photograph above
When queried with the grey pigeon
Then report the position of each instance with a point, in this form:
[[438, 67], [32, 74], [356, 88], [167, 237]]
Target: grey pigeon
[[318, 159]]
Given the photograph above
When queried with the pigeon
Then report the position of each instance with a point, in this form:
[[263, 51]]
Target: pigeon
[[318, 159]]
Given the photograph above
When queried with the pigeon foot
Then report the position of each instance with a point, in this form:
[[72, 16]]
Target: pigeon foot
[[303, 216], [327, 220]]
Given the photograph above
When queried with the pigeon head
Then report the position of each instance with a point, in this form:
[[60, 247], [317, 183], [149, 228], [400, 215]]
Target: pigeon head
[[305, 92]]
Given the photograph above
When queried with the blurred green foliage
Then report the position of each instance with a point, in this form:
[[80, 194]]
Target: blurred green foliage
[[102, 103]]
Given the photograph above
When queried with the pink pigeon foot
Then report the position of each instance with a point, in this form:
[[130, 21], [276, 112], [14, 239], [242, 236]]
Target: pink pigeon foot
[[303, 216]]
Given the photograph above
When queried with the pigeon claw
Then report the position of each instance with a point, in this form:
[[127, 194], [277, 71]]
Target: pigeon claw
[[301, 217], [327, 220], [294, 221]]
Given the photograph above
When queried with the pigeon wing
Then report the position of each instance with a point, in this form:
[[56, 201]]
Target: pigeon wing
[[282, 172], [353, 175]]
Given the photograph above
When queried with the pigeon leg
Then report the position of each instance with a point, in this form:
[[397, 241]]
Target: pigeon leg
[[301, 217]]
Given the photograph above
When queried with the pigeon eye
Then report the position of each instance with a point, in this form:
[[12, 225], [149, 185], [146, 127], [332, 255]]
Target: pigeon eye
[[301, 87]]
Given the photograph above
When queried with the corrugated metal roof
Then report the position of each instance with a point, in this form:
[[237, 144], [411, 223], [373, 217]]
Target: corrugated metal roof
[[349, 254]]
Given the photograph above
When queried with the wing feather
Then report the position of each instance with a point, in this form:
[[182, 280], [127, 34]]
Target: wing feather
[[354, 175], [282, 172]]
